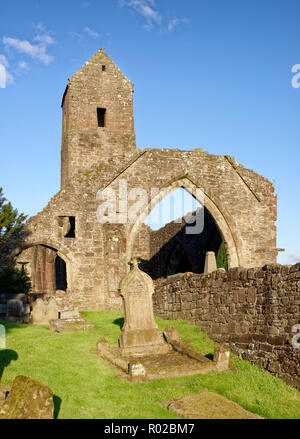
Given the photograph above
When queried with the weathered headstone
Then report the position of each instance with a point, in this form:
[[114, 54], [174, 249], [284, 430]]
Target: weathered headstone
[[17, 308], [137, 371], [171, 334], [208, 405], [28, 399], [71, 324], [43, 312], [70, 320], [210, 263], [69, 314], [51, 311], [140, 334], [222, 357], [38, 314]]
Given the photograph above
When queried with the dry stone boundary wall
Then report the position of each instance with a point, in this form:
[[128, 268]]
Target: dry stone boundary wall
[[254, 310]]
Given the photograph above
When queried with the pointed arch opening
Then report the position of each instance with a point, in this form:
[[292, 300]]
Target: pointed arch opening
[[171, 249], [47, 267]]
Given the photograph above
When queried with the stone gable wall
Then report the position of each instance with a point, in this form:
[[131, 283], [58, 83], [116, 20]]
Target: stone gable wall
[[253, 310], [251, 221], [97, 258]]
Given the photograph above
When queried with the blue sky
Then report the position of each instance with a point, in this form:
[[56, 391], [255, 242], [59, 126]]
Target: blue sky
[[215, 74]]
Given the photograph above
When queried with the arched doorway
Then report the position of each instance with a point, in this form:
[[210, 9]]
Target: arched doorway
[[47, 268]]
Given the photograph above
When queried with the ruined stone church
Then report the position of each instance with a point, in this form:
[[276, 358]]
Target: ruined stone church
[[80, 261]]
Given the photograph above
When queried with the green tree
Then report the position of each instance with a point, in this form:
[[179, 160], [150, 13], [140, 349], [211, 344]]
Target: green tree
[[10, 219], [222, 261]]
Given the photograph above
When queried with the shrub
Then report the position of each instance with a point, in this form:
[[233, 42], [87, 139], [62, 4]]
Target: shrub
[[14, 281], [222, 261]]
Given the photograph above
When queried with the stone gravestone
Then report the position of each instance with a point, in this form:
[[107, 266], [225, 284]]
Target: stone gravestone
[[43, 312], [210, 263], [70, 314], [28, 399], [70, 320], [52, 311], [38, 312], [222, 357], [14, 308], [140, 334]]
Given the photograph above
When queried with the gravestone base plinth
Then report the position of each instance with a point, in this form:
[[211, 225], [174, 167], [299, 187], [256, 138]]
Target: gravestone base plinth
[[177, 359], [143, 355], [70, 324], [142, 342]]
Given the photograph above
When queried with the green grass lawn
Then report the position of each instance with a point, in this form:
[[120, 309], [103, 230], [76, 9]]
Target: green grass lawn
[[86, 387]]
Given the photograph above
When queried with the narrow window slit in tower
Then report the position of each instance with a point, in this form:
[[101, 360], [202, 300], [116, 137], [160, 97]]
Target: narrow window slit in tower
[[101, 117]]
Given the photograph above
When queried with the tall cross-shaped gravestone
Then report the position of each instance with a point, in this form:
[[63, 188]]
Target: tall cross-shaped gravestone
[[140, 334]]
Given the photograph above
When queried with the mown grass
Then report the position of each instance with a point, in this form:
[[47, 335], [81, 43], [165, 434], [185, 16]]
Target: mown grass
[[86, 387]]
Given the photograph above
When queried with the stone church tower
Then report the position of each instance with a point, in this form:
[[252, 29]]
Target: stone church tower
[[98, 122]]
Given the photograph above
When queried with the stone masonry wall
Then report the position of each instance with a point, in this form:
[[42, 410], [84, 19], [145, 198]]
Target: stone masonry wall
[[249, 216], [253, 310]]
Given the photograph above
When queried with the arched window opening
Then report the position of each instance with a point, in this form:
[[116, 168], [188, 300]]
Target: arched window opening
[[176, 236]]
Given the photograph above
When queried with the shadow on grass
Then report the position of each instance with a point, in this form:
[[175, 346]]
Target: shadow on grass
[[57, 404], [119, 322], [12, 325], [6, 356]]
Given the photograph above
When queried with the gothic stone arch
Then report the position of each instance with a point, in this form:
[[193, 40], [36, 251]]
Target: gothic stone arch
[[222, 224], [61, 253]]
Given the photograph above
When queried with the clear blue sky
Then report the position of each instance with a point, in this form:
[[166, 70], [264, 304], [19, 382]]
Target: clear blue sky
[[214, 74]]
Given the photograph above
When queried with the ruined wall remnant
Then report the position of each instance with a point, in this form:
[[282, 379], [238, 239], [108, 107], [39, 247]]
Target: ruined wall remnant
[[253, 310], [99, 153]]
